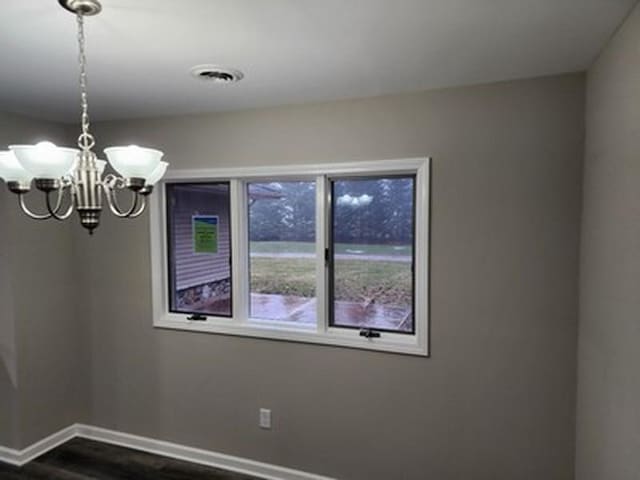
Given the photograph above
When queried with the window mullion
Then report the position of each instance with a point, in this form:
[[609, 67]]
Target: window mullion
[[240, 251], [322, 243]]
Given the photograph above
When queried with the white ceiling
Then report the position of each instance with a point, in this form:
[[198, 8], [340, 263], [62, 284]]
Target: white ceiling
[[292, 51]]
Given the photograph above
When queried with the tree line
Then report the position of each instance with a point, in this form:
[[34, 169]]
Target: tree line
[[368, 211]]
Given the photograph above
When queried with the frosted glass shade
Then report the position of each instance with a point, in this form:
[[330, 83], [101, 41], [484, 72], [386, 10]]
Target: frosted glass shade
[[157, 174], [11, 170], [45, 160], [133, 161], [102, 165]]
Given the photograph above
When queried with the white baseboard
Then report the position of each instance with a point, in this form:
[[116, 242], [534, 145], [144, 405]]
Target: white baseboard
[[10, 456], [158, 447], [20, 457]]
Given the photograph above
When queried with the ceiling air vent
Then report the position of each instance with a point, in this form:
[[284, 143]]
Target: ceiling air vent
[[217, 74]]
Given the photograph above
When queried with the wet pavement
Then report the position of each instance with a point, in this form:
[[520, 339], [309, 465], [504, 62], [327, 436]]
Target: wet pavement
[[284, 308], [301, 310]]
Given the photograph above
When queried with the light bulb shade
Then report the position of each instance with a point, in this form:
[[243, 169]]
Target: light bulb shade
[[133, 161], [11, 170], [101, 165], [157, 174], [45, 160]]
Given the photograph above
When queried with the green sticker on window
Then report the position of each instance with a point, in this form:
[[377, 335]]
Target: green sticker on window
[[205, 233]]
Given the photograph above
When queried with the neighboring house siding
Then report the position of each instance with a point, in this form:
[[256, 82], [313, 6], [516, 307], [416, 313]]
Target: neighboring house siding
[[193, 269]]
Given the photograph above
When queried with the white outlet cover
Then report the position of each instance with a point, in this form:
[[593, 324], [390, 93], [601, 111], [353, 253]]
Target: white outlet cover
[[265, 418]]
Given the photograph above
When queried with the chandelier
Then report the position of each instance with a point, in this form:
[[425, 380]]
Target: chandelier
[[73, 178]]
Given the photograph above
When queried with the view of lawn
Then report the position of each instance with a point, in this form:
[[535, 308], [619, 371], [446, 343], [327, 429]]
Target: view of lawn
[[388, 283], [372, 239], [357, 280], [341, 248], [283, 276]]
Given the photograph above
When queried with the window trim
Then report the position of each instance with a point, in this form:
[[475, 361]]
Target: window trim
[[240, 324]]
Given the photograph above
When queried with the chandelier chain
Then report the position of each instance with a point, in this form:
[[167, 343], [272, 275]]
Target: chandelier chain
[[86, 140]]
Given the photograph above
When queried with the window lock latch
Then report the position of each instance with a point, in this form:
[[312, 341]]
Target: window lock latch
[[369, 333], [196, 317]]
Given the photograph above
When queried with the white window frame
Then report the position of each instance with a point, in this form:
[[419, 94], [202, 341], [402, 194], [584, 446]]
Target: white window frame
[[321, 333]]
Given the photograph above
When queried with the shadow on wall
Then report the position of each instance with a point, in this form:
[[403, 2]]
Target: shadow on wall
[[8, 415], [8, 365], [8, 377], [8, 352]]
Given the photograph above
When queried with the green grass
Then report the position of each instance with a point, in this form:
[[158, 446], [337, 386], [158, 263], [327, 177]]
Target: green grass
[[308, 247], [384, 282], [283, 276], [356, 280]]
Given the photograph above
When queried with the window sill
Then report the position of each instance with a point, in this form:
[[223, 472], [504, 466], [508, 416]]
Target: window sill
[[389, 342]]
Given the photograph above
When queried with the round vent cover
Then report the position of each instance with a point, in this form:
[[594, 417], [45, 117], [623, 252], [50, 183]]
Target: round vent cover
[[217, 74]]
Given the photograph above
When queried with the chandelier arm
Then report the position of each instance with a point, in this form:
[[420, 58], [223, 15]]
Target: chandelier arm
[[112, 182], [29, 213], [55, 212], [61, 190], [114, 206], [141, 209]]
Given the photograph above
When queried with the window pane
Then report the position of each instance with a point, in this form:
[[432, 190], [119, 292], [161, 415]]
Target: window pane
[[282, 229], [372, 253], [199, 248]]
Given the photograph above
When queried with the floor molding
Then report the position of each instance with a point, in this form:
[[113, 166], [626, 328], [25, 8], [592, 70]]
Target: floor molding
[[10, 456], [20, 457], [158, 447]]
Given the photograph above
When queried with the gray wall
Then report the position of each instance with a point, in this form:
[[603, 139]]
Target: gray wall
[[8, 349], [496, 400], [609, 346], [43, 368]]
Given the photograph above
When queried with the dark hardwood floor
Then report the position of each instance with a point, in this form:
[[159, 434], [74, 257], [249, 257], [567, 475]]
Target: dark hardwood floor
[[81, 459]]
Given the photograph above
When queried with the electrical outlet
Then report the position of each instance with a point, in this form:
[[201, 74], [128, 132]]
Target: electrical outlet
[[265, 418]]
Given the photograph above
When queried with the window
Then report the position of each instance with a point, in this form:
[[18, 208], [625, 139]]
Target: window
[[333, 254], [371, 253], [199, 240], [282, 251]]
